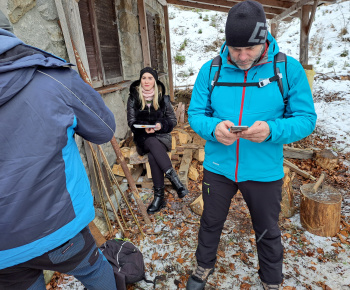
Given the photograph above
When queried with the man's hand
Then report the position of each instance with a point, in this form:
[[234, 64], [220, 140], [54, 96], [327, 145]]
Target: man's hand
[[258, 132], [223, 135]]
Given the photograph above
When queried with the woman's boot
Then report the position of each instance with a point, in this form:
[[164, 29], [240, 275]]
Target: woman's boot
[[158, 200], [175, 181]]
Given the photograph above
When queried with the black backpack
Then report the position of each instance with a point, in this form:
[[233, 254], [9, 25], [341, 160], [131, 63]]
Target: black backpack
[[126, 260], [279, 68]]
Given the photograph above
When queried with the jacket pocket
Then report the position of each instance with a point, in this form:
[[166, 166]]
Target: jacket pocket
[[67, 250]]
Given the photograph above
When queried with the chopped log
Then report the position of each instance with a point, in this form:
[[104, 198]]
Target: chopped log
[[320, 211], [148, 170], [287, 203], [199, 154], [188, 146], [183, 136], [175, 157], [297, 170], [182, 114], [297, 153], [197, 205], [118, 170], [198, 140], [178, 111], [137, 173], [184, 166], [125, 151], [326, 159], [173, 142], [135, 158], [193, 173], [185, 211]]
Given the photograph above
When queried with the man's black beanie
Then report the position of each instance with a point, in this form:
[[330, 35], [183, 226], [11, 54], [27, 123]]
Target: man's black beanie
[[150, 70], [246, 24]]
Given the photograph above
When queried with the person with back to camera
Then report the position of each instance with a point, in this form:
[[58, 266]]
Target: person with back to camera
[[46, 203], [247, 93], [148, 105]]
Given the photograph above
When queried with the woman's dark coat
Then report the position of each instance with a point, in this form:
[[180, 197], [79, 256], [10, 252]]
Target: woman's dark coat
[[149, 116]]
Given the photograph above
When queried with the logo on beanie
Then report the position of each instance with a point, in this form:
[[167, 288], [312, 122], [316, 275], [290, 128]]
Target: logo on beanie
[[259, 34]]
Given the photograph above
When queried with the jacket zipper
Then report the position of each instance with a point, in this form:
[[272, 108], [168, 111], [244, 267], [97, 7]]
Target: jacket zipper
[[240, 123]]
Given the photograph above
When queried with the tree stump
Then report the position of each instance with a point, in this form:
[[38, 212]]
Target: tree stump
[[287, 203], [326, 159], [320, 211]]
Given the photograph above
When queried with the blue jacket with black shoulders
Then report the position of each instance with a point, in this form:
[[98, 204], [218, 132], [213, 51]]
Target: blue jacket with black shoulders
[[45, 196]]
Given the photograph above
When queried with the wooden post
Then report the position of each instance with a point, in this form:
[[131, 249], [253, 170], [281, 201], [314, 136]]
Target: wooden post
[[144, 33], [304, 36], [168, 52], [274, 29]]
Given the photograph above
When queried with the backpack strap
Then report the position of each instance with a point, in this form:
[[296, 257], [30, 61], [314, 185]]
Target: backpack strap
[[280, 66], [217, 62]]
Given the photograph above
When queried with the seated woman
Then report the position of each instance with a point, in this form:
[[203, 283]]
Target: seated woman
[[148, 105]]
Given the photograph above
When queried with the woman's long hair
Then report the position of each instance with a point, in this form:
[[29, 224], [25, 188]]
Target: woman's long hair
[[157, 93]]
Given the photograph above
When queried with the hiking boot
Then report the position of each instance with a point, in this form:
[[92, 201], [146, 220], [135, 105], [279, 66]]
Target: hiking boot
[[199, 278], [158, 201], [175, 181], [271, 286]]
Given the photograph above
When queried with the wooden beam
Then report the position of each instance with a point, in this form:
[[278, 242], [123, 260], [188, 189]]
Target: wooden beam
[[225, 3], [270, 12], [297, 153], [312, 17], [162, 2], [270, 6], [71, 10], [198, 5], [290, 10], [168, 52], [304, 37], [66, 34], [144, 33], [274, 29], [296, 169]]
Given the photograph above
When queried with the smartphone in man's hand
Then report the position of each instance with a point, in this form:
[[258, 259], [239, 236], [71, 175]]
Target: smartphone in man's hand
[[235, 129]]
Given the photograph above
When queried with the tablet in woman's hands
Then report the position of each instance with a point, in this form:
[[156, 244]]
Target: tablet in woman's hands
[[144, 126]]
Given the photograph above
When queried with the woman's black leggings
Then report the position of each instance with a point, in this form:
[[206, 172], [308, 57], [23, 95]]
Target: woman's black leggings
[[158, 159]]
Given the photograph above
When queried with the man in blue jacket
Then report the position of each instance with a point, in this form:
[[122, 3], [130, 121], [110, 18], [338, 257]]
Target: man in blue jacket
[[247, 94], [45, 198]]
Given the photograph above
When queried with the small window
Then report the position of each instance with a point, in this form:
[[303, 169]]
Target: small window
[[154, 42], [98, 20]]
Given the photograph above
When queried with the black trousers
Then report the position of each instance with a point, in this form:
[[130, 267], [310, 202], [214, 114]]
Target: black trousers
[[263, 200], [158, 159]]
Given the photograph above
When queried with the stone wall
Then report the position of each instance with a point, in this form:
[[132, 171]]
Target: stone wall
[[36, 23]]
